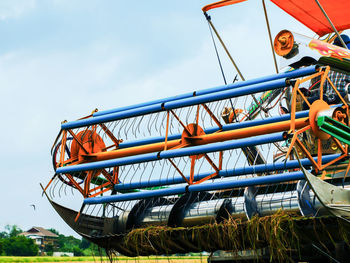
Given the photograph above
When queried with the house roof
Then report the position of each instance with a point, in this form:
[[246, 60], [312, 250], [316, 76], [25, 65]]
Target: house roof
[[39, 231]]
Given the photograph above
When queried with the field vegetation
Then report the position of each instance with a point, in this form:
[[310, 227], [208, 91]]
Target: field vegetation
[[11, 244], [172, 259]]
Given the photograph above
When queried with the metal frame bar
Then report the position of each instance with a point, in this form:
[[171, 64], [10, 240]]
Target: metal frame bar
[[227, 127], [78, 141], [261, 180], [255, 169], [195, 150], [290, 74], [179, 171], [225, 48], [200, 140], [63, 147], [110, 135], [171, 105], [317, 165], [211, 114], [71, 179], [269, 31]]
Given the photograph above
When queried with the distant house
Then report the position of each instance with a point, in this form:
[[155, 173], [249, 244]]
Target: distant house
[[63, 254], [41, 236]]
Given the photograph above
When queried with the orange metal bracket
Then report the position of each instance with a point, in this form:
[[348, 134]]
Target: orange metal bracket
[[110, 134], [183, 125], [179, 171], [193, 162], [199, 140], [107, 176], [318, 166], [167, 131], [78, 141], [101, 187], [337, 92], [71, 179], [347, 170], [333, 161], [87, 183], [293, 106], [295, 135], [115, 174], [206, 178], [211, 114], [63, 146]]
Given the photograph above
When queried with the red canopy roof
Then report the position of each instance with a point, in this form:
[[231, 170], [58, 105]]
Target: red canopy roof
[[310, 14], [220, 4]]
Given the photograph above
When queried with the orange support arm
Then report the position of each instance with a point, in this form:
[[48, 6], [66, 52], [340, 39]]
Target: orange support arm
[[220, 4], [199, 140]]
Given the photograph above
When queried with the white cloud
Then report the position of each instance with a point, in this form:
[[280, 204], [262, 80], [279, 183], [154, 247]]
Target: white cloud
[[12, 9]]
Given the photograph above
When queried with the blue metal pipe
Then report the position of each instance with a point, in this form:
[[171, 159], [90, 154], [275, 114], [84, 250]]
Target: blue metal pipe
[[271, 85], [148, 157], [261, 180], [261, 168], [228, 127], [290, 74], [146, 141], [245, 124], [223, 146], [213, 147]]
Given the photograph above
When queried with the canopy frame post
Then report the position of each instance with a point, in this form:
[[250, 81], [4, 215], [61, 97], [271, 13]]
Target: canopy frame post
[[223, 45], [270, 37]]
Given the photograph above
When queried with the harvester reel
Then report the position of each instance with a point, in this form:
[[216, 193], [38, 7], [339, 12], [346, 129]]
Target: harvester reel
[[56, 160], [83, 144], [89, 142], [317, 109]]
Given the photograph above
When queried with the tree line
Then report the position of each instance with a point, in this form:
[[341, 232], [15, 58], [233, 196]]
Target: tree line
[[13, 244]]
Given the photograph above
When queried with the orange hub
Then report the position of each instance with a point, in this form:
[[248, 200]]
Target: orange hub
[[91, 142], [316, 107], [189, 136]]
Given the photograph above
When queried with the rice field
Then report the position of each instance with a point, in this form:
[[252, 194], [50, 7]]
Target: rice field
[[105, 260]]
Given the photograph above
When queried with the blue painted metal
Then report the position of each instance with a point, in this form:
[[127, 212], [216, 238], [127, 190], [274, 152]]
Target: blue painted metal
[[160, 101], [148, 157], [213, 147], [146, 141], [245, 124], [242, 91], [271, 85], [261, 180], [290, 74], [223, 146], [228, 127], [233, 126], [261, 168]]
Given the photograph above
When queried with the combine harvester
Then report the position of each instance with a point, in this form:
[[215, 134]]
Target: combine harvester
[[258, 167]]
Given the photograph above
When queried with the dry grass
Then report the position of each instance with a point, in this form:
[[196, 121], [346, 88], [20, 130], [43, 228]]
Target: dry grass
[[281, 233], [105, 260]]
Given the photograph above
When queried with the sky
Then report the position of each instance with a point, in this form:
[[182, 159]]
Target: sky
[[61, 59]]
